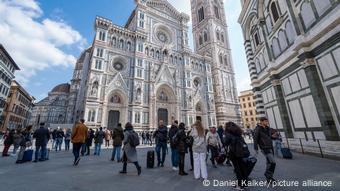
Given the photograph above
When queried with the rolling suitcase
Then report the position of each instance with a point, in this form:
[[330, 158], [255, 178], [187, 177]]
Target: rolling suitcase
[[286, 153], [150, 160], [28, 155], [249, 164]]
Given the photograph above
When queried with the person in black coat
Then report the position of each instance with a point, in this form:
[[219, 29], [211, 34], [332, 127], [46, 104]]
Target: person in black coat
[[89, 140], [42, 137], [181, 147], [174, 152], [238, 150]]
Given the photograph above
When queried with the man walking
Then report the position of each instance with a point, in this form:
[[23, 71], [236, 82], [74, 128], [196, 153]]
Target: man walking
[[263, 138], [79, 134], [59, 139], [118, 137], [42, 136], [174, 151], [161, 136], [98, 141]]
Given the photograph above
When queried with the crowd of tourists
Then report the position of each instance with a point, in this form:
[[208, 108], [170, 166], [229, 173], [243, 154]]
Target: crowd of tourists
[[225, 145]]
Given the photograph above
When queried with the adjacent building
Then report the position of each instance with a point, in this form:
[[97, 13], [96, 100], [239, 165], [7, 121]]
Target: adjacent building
[[18, 107], [248, 109], [55, 108], [293, 50], [7, 69]]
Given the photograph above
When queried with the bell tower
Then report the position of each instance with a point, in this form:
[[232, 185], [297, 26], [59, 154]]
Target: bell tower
[[211, 39]]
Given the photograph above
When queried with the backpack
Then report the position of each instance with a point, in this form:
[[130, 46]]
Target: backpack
[[239, 148], [133, 139]]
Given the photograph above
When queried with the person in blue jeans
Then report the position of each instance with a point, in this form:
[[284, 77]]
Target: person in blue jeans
[[117, 137], [161, 136], [42, 137], [174, 151], [99, 136], [59, 139]]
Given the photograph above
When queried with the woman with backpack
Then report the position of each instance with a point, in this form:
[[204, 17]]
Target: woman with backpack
[[26, 141], [238, 152], [131, 140], [199, 149]]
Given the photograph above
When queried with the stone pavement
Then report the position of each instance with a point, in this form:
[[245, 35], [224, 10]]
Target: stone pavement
[[96, 173]]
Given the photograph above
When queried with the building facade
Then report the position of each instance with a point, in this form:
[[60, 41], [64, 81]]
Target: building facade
[[293, 50], [248, 109], [7, 69], [145, 71], [56, 108], [18, 108]]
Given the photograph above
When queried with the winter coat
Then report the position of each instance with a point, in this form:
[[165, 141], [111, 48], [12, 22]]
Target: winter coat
[[68, 135], [9, 138], [129, 151], [117, 136], [200, 145], [26, 139], [107, 135], [161, 134], [89, 138], [181, 137], [41, 135], [262, 138], [99, 136], [79, 133], [60, 134], [172, 132]]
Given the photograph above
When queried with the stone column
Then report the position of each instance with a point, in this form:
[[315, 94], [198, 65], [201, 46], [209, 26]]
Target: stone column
[[320, 100], [282, 108]]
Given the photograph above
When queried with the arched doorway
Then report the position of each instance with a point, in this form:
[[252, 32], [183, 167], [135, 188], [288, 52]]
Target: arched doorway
[[166, 105], [115, 110]]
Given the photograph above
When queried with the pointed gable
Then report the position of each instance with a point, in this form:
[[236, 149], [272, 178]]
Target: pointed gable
[[117, 83], [166, 7], [165, 76]]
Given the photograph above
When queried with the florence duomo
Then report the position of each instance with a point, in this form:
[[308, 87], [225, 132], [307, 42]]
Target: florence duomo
[[145, 71]]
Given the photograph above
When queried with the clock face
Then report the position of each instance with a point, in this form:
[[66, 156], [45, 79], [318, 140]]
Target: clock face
[[118, 66]]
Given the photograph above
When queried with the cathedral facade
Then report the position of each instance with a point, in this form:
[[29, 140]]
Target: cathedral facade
[[145, 71]]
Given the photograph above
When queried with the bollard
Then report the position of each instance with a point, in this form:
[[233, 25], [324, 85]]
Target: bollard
[[320, 148], [303, 152]]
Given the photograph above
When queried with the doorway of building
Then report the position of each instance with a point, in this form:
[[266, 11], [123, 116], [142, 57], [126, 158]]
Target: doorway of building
[[163, 115], [199, 118], [113, 119]]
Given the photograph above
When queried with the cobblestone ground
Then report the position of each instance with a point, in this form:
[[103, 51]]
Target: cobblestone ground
[[96, 173]]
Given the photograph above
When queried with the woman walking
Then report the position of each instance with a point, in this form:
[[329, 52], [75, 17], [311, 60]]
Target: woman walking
[[199, 149], [130, 152]]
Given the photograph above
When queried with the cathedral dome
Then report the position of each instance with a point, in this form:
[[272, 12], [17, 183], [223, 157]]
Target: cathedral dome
[[61, 88]]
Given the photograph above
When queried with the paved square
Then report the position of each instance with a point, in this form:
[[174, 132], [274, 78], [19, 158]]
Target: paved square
[[96, 173]]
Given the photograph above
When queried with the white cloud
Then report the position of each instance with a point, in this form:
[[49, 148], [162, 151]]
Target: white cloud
[[35, 43]]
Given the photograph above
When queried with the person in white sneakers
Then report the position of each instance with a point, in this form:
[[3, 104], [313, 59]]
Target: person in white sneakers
[[199, 149]]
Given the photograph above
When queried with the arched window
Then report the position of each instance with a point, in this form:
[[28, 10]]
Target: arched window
[[290, 32], [322, 6], [221, 59], [216, 11], [274, 11], [205, 36], [283, 40], [175, 60], [129, 46], [147, 51], [114, 41], [226, 60], [200, 14], [217, 35], [91, 116], [121, 44], [152, 53], [200, 40], [276, 47], [307, 14], [157, 54], [222, 37]]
